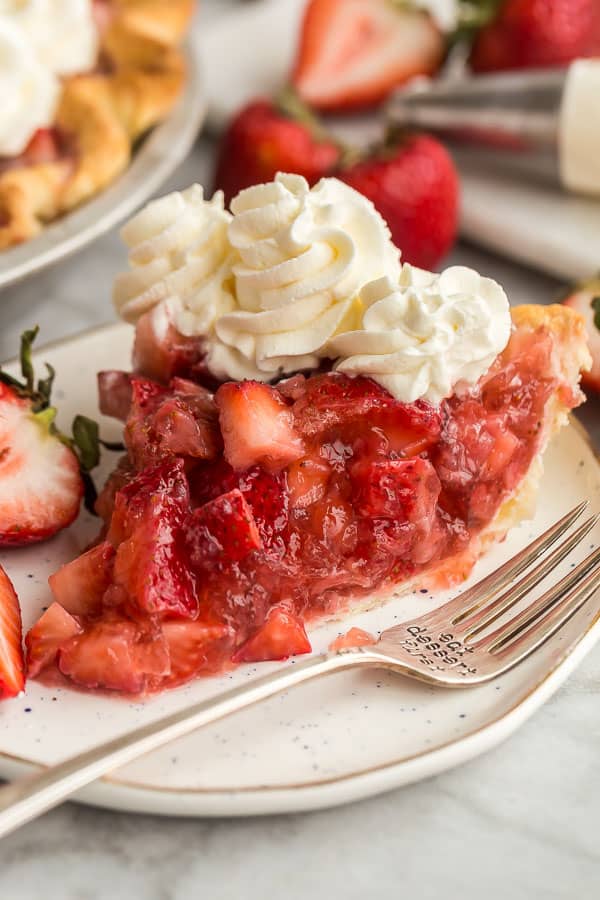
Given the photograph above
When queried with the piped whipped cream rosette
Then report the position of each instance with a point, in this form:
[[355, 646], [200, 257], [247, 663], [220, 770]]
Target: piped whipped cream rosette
[[179, 252], [426, 335], [304, 255], [295, 275]]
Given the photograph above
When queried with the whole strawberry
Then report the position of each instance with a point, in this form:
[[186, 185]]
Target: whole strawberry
[[533, 33], [43, 474], [261, 141], [353, 53], [415, 187]]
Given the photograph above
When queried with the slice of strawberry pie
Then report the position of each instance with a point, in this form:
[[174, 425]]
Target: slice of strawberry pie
[[235, 519], [240, 515]]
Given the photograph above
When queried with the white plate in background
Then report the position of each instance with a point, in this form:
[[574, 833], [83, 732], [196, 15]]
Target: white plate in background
[[157, 156], [348, 736]]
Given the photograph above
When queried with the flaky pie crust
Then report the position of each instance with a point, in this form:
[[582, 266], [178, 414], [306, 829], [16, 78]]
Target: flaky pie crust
[[103, 113]]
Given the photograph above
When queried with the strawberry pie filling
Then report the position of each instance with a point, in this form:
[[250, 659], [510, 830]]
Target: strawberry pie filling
[[236, 518]]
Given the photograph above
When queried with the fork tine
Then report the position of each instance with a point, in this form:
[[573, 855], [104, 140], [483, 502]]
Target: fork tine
[[553, 605], [488, 613], [493, 583], [533, 637]]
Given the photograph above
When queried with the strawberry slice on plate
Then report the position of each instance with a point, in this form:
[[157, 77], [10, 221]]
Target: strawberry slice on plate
[[586, 300], [12, 664], [41, 483], [281, 636], [353, 53], [47, 636]]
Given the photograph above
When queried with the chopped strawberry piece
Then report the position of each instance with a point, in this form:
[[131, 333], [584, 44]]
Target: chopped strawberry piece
[[44, 147], [12, 664], [152, 562], [225, 527], [257, 426], [80, 585], [195, 648], [353, 53], [115, 654], [355, 637], [282, 635], [308, 479], [40, 483], [51, 632], [121, 475], [114, 392], [165, 422], [402, 489], [332, 401], [160, 351]]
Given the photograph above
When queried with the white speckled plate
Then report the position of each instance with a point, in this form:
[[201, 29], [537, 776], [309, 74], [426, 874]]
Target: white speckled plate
[[347, 737]]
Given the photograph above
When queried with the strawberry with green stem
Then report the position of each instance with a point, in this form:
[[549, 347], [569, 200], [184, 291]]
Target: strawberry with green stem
[[43, 473]]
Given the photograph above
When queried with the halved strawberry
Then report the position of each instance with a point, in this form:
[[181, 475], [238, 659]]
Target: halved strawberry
[[353, 53], [12, 664], [194, 648], [40, 481], [281, 636], [43, 473], [51, 631], [586, 300], [115, 654], [257, 426], [80, 585], [225, 527]]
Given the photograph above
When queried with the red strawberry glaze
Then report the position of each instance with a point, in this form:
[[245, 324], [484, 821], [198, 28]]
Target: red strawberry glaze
[[218, 556]]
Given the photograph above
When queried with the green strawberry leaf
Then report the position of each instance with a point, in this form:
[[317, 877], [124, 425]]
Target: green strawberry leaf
[[27, 339], [87, 442]]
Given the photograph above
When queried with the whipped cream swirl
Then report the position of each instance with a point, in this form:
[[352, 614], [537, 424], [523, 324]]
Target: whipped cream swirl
[[427, 335], [40, 41], [28, 92], [62, 33], [304, 256], [179, 251]]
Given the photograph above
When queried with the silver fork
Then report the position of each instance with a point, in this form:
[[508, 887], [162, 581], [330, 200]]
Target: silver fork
[[452, 646]]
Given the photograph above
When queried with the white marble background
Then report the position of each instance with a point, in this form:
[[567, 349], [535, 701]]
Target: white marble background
[[521, 822]]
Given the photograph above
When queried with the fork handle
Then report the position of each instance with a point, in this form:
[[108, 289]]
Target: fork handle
[[29, 797]]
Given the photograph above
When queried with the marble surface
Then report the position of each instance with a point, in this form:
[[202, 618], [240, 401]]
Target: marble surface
[[520, 822]]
